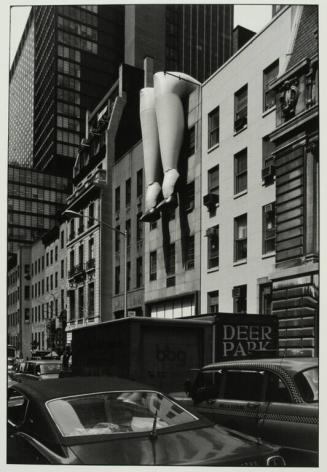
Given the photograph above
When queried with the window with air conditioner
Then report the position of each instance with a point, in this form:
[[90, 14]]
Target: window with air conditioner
[[213, 246], [268, 228], [213, 301]]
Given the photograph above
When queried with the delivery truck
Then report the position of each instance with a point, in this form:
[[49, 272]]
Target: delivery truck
[[160, 352]]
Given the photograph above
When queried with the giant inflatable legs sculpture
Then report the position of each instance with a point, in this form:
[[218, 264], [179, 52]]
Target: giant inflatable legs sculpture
[[162, 124]]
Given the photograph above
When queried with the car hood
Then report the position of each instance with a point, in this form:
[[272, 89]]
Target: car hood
[[203, 446]]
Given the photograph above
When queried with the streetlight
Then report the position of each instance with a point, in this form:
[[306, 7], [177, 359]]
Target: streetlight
[[122, 233]]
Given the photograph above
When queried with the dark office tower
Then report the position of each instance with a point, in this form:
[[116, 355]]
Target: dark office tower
[[21, 97], [35, 203], [195, 39], [77, 53]]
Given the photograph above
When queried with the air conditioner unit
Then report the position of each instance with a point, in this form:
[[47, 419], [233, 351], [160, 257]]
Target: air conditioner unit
[[269, 208], [211, 232], [210, 200], [236, 292], [268, 172]]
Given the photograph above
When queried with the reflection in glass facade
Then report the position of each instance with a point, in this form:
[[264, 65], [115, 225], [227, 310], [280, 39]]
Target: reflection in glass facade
[[35, 201]]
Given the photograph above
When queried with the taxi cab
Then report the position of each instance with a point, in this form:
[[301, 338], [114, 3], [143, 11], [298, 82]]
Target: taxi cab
[[273, 399]]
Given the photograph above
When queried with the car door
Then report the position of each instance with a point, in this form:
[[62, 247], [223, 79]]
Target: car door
[[237, 402], [19, 451], [286, 422]]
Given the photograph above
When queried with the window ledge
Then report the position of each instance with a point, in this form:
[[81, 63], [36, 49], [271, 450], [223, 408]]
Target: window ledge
[[240, 130], [240, 262], [213, 269], [215, 146], [269, 254], [240, 194], [268, 111]]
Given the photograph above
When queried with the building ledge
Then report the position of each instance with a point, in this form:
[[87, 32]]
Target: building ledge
[[240, 194], [268, 255], [268, 111], [215, 146], [240, 262]]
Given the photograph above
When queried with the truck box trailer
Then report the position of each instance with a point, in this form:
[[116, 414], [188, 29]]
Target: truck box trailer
[[159, 352]]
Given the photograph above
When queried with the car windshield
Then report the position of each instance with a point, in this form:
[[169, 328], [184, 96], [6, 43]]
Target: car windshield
[[50, 368], [116, 412], [308, 384]]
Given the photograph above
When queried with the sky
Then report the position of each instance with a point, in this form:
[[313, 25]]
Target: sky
[[253, 17]]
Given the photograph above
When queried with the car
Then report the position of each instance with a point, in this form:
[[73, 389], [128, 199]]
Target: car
[[38, 370], [112, 421], [273, 399]]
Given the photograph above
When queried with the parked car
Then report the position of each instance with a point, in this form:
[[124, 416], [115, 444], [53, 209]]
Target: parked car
[[38, 370], [274, 399], [106, 420]]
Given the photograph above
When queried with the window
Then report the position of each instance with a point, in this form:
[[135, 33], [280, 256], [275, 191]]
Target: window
[[56, 279], [239, 299], [268, 228], [91, 300], [139, 183], [62, 297], [128, 275], [81, 255], [56, 253], [72, 232], [189, 263], [190, 145], [91, 249], [51, 282], [213, 127], [27, 314], [51, 256], [139, 272], [117, 279], [265, 294], [62, 269], [71, 260], [240, 171], [128, 231], [72, 307], [213, 246], [240, 237], [128, 193], [139, 227], [117, 200], [26, 292], [241, 108], [269, 74], [81, 302], [47, 257], [268, 148], [117, 239], [213, 301], [213, 180], [80, 224], [91, 215], [245, 385], [189, 197], [276, 390], [153, 265], [62, 239]]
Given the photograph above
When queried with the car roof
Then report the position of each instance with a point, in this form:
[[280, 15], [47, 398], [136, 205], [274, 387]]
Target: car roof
[[290, 364], [63, 387]]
